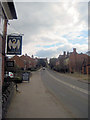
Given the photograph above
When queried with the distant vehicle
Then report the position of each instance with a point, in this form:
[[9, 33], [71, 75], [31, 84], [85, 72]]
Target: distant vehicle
[[43, 68]]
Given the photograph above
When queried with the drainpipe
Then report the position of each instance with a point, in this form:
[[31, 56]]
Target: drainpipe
[[4, 36], [3, 47]]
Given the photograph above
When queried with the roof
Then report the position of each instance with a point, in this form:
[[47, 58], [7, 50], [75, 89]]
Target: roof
[[12, 9], [9, 10], [27, 58]]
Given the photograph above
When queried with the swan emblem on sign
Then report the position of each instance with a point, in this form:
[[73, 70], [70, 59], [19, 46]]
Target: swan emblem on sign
[[14, 44]]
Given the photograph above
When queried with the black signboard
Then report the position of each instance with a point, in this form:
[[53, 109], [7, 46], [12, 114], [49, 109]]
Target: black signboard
[[10, 63], [26, 76], [14, 45]]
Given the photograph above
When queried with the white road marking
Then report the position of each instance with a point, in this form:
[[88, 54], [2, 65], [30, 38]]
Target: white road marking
[[40, 69], [68, 84]]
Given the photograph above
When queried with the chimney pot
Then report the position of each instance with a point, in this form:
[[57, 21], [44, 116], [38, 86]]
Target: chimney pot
[[74, 50], [67, 53], [64, 53]]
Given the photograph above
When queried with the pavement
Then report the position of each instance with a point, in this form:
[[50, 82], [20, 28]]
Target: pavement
[[33, 100]]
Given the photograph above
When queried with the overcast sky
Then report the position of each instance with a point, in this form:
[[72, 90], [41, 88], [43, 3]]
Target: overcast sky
[[50, 28]]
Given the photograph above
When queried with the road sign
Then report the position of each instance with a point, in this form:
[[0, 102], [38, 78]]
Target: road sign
[[14, 45]]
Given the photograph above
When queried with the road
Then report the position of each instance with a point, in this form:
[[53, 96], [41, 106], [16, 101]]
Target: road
[[50, 95], [73, 94]]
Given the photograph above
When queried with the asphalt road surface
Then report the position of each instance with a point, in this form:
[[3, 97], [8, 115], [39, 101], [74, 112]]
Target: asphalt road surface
[[73, 94]]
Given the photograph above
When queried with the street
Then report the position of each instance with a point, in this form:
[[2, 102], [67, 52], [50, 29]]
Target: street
[[50, 95], [72, 93], [44, 59]]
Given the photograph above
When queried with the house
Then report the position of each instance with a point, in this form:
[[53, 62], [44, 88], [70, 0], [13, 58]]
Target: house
[[73, 62], [7, 12], [86, 66], [28, 61], [24, 61], [17, 61], [57, 63], [64, 62], [76, 60]]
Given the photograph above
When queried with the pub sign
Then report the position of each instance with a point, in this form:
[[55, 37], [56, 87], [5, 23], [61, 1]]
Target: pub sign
[[14, 45]]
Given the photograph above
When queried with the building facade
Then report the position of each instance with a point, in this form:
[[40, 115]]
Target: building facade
[[72, 62], [24, 62], [76, 61], [7, 12]]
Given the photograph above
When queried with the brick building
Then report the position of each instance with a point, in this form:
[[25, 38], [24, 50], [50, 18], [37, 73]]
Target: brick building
[[73, 62], [86, 66], [64, 62], [7, 12], [17, 61], [76, 61], [28, 61], [24, 61]]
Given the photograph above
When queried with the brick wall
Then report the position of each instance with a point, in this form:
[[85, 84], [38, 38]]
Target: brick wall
[[18, 61], [76, 61], [1, 60], [24, 61], [30, 62]]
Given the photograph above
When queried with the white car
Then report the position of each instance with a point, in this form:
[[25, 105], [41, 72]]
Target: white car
[[43, 68]]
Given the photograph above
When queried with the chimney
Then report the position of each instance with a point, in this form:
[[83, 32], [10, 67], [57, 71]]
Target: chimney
[[32, 56], [64, 53], [68, 53], [25, 54], [74, 50]]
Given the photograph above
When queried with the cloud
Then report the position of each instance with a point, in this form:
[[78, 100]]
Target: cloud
[[69, 47], [45, 53], [49, 28], [55, 52]]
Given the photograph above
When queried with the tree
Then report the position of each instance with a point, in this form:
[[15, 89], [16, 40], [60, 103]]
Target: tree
[[52, 62]]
